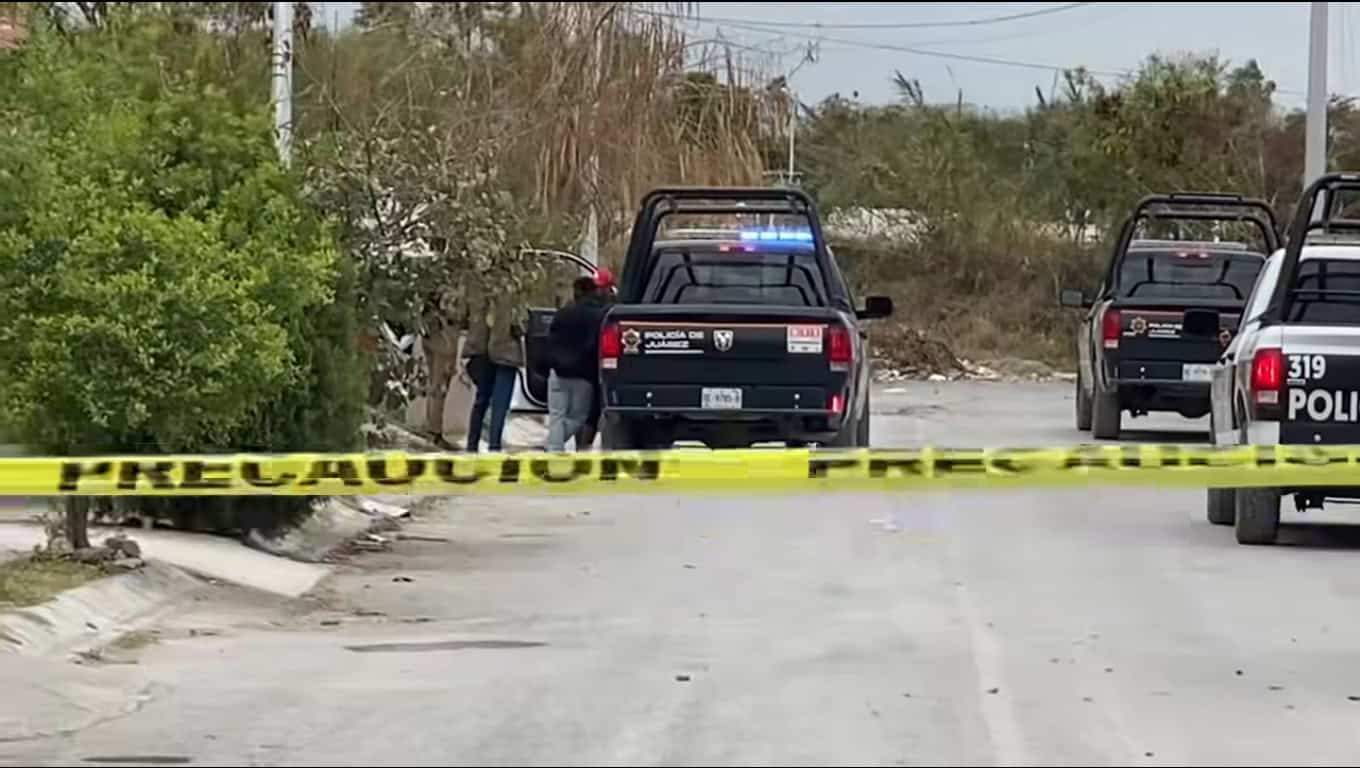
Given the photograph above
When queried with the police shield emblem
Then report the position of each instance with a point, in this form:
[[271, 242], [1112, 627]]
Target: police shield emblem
[[722, 340]]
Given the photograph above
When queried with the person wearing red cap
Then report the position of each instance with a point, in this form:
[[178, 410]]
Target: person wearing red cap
[[604, 281], [585, 436]]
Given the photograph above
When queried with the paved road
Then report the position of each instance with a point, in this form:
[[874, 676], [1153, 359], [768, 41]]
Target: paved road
[[1081, 627]]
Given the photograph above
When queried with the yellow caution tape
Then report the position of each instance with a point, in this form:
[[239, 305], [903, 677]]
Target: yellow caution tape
[[682, 471]]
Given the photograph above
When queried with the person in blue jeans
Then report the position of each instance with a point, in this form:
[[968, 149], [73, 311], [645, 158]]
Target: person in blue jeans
[[494, 355]]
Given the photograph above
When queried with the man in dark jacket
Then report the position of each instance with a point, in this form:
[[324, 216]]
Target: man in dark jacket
[[573, 344], [606, 289]]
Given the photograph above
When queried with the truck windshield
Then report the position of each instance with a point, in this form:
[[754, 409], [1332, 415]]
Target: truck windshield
[[735, 274], [1171, 274], [1327, 292]]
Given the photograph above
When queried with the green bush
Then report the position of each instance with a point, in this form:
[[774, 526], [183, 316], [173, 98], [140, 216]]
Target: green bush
[[165, 285]]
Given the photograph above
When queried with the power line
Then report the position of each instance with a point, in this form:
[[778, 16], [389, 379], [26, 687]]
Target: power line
[[909, 25], [921, 51], [866, 44]]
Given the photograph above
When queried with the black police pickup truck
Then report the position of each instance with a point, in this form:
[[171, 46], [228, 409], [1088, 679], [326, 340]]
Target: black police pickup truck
[[734, 326], [1166, 308]]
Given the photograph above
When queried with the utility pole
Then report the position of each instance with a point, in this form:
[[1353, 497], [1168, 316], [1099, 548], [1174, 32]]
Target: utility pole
[[282, 80], [1315, 131]]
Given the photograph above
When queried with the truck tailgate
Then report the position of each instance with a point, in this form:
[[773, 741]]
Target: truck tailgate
[[717, 358], [1154, 346], [1322, 385]]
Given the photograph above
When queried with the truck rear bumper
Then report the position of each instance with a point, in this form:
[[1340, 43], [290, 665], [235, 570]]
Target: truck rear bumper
[[1190, 398], [736, 426]]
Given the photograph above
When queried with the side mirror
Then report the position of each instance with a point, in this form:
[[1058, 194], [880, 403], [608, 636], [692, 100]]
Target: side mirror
[[876, 307], [1201, 323], [1073, 299]]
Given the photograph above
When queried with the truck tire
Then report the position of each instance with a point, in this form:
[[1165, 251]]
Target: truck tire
[[1222, 509], [848, 437], [862, 433], [1083, 405], [1105, 414], [618, 434], [1258, 515]]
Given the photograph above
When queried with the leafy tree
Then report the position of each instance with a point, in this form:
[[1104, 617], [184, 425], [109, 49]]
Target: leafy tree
[[167, 287]]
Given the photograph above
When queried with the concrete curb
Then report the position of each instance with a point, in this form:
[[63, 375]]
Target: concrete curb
[[212, 557], [95, 613]]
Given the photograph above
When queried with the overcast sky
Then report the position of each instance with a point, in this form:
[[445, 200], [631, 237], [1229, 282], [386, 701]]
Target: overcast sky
[[859, 54]]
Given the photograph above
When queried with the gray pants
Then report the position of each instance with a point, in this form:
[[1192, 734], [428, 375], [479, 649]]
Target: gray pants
[[569, 404]]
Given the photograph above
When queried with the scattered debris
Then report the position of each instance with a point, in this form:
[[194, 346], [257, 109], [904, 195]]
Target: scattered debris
[[1275, 687], [1289, 706], [403, 579], [444, 645], [1087, 699], [906, 695], [330, 622], [417, 620], [1147, 754], [689, 566], [416, 537], [1109, 669], [140, 760], [993, 691], [1353, 698], [89, 656], [126, 564], [368, 612], [123, 546], [383, 509], [1238, 673], [1054, 660], [682, 678]]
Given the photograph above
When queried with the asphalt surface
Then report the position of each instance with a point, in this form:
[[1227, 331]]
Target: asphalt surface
[[1094, 626]]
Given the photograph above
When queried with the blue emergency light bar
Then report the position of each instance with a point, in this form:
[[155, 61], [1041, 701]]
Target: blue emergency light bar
[[777, 235]]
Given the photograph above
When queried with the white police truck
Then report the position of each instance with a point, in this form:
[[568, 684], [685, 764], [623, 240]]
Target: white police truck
[[1291, 375]]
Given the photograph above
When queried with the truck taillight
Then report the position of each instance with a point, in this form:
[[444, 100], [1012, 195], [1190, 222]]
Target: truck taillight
[[840, 351], [1267, 380], [611, 345], [1110, 328]]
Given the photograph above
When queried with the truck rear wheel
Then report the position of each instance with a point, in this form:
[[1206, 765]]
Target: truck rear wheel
[[1222, 506], [618, 434], [1083, 405], [1258, 515], [862, 433], [1105, 414], [849, 435]]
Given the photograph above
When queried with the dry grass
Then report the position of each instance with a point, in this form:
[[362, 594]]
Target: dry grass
[[32, 580], [985, 301]]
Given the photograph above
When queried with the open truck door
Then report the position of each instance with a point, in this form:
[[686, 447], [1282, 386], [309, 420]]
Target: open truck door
[[531, 396]]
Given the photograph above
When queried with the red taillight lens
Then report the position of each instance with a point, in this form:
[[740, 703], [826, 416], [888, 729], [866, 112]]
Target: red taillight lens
[[839, 349], [1267, 378], [611, 345], [1110, 328], [837, 404]]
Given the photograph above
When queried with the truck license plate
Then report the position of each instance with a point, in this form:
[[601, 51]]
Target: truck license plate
[[721, 399], [1197, 372]]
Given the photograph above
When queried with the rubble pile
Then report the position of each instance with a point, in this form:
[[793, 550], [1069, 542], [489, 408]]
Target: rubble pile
[[903, 352], [117, 553]]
